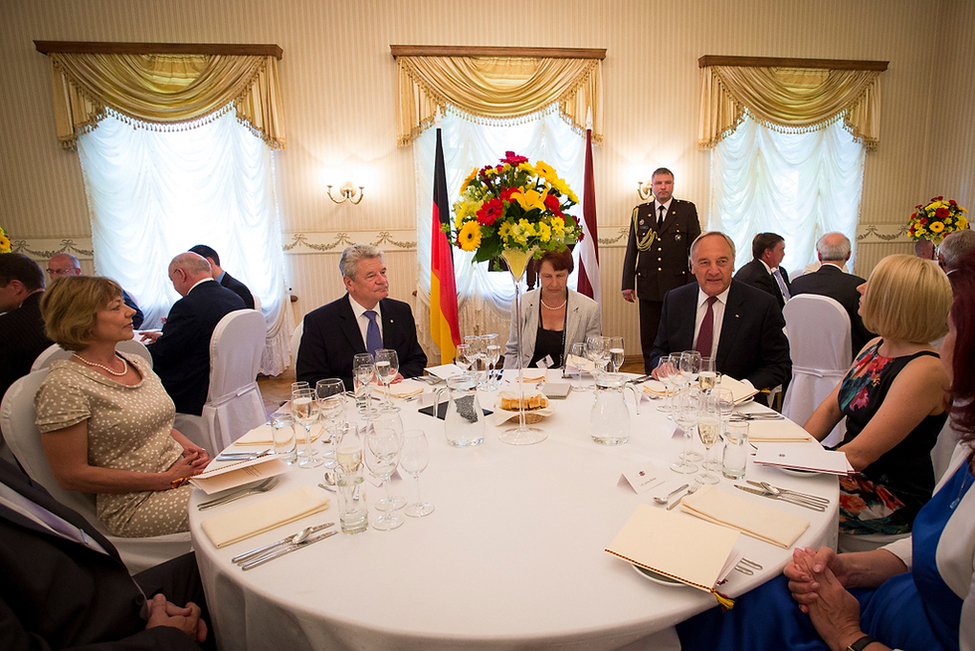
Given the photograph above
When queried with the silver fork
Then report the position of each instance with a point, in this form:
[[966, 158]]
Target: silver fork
[[262, 487], [690, 491]]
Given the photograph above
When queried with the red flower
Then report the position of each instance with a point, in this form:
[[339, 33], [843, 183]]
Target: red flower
[[507, 192], [552, 203], [941, 212], [512, 158], [489, 212], [938, 199], [924, 220], [952, 202], [581, 236]]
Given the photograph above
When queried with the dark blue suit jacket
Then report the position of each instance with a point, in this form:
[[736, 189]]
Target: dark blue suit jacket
[[181, 356], [331, 338], [22, 339], [238, 288], [59, 594], [752, 344], [755, 274]]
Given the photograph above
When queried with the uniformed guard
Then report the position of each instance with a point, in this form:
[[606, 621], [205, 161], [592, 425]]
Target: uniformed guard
[[657, 252]]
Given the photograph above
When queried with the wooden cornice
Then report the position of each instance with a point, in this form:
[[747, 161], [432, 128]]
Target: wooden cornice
[[475, 51], [95, 47], [777, 62]]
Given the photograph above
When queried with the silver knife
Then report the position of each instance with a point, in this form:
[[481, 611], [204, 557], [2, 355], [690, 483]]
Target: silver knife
[[285, 550], [806, 496], [260, 551], [785, 498], [241, 456]]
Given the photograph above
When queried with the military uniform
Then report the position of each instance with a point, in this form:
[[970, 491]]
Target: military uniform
[[661, 268]]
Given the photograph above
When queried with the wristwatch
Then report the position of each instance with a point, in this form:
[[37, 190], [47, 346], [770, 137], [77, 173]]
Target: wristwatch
[[861, 644]]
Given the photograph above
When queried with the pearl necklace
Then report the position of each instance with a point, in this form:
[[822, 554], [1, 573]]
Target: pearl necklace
[[125, 368], [559, 307]]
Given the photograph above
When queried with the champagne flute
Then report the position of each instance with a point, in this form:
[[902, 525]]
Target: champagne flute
[[304, 408], [387, 366], [414, 458], [616, 353], [708, 429], [381, 454], [726, 405], [707, 377], [363, 373], [492, 354], [686, 410], [331, 404]]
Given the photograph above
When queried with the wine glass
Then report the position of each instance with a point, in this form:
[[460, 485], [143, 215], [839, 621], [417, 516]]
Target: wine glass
[[379, 420], [492, 354], [597, 353], [331, 404], [686, 411], [725, 401], [387, 366], [708, 429], [304, 408], [477, 355], [690, 364], [707, 377], [579, 350], [381, 454], [413, 458], [616, 354], [666, 373], [363, 373], [463, 357]]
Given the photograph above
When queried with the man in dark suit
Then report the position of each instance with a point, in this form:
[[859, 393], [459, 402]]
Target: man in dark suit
[[334, 333], [181, 353], [222, 276], [738, 325], [833, 250], [661, 232], [64, 585], [763, 271], [65, 264], [22, 336]]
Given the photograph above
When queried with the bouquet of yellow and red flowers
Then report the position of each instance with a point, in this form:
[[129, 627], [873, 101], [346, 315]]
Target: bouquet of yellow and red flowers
[[4, 242], [937, 219], [514, 206]]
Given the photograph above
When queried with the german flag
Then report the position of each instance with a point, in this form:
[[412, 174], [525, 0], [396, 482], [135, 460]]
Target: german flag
[[444, 325]]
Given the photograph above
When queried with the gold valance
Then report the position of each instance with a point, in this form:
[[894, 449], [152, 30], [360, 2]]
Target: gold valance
[[498, 89], [789, 99], [165, 91]]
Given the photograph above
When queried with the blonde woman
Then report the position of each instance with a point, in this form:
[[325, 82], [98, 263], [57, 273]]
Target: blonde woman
[[106, 422], [894, 398]]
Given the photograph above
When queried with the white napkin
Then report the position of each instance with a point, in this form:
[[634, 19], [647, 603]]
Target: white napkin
[[234, 526], [763, 522], [403, 389], [262, 435]]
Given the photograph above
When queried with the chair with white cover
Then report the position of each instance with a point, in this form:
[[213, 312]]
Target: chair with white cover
[[234, 404], [54, 352], [820, 346], [296, 343], [17, 419]]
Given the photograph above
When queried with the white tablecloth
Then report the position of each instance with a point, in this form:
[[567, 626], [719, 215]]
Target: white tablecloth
[[511, 558]]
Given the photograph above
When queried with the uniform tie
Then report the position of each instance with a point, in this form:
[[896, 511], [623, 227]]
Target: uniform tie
[[706, 335], [660, 219], [374, 340]]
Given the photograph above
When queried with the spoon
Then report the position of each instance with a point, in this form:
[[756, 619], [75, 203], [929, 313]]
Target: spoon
[[664, 500], [769, 488], [689, 491], [288, 540]]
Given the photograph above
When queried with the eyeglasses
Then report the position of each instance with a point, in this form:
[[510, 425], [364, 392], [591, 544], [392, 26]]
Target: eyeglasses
[[60, 272]]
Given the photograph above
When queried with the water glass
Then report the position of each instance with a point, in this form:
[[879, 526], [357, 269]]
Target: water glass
[[363, 373], [387, 368], [616, 353], [331, 404], [735, 455], [492, 355], [381, 453], [283, 436], [686, 410], [304, 409], [351, 491], [726, 406], [578, 350]]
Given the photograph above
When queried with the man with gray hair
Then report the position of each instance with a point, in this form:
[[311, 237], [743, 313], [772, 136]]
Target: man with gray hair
[[181, 352], [830, 280], [362, 321], [65, 264], [953, 248]]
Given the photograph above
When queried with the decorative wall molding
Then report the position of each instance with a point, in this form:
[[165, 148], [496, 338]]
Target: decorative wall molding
[[80, 247], [883, 233]]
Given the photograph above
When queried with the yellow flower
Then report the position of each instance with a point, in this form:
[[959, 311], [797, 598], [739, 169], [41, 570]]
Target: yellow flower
[[919, 230], [526, 167], [545, 170], [4, 244], [504, 230], [517, 233], [544, 231], [490, 172], [936, 227], [529, 200], [962, 223], [558, 227], [467, 181], [470, 236]]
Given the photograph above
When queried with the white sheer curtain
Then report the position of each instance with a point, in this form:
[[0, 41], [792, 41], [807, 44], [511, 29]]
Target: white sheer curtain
[[799, 185], [484, 298], [153, 194]]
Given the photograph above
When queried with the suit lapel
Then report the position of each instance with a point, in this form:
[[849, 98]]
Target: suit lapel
[[730, 325], [349, 327]]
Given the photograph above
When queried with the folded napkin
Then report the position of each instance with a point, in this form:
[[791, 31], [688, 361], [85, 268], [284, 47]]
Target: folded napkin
[[740, 392], [403, 389], [776, 437], [228, 528], [579, 363], [756, 520], [654, 388], [262, 435]]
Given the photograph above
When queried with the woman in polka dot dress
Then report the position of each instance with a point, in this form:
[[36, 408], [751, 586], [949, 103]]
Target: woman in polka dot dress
[[106, 421]]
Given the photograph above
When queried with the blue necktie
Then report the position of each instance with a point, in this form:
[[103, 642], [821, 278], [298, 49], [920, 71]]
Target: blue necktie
[[780, 281], [374, 340]]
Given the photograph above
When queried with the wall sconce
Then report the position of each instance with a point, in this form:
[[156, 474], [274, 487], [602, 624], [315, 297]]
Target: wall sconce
[[348, 192], [644, 189]]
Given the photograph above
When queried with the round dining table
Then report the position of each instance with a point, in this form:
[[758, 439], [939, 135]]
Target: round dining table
[[512, 556]]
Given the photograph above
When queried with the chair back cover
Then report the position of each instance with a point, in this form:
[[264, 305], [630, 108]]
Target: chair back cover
[[820, 346], [17, 420], [54, 352], [134, 347], [234, 405]]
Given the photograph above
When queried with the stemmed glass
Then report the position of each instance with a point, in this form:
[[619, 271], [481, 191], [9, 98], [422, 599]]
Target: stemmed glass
[[463, 357], [379, 420], [725, 401], [387, 366], [363, 373], [413, 458], [597, 352], [686, 411], [476, 352], [690, 364], [615, 346], [304, 408], [579, 350], [331, 404], [707, 377], [709, 428], [382, 452], [666, 373], [492, 354]]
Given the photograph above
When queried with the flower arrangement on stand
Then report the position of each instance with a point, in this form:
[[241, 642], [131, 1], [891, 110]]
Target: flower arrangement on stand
[[936, 219], [515, 210], [4, 242]]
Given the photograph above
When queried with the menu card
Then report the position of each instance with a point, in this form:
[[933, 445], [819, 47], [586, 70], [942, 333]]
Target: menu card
[[263, 435], [685, 549], [806, 457], [740, 392], [220, 476]]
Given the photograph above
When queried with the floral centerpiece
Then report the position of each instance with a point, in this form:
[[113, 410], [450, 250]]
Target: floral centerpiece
[[515, 210], [935, 220], [4, 242]]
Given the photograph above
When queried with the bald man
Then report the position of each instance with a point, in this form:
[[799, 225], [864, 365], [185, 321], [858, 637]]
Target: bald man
[[65, 264], [181, 352]]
